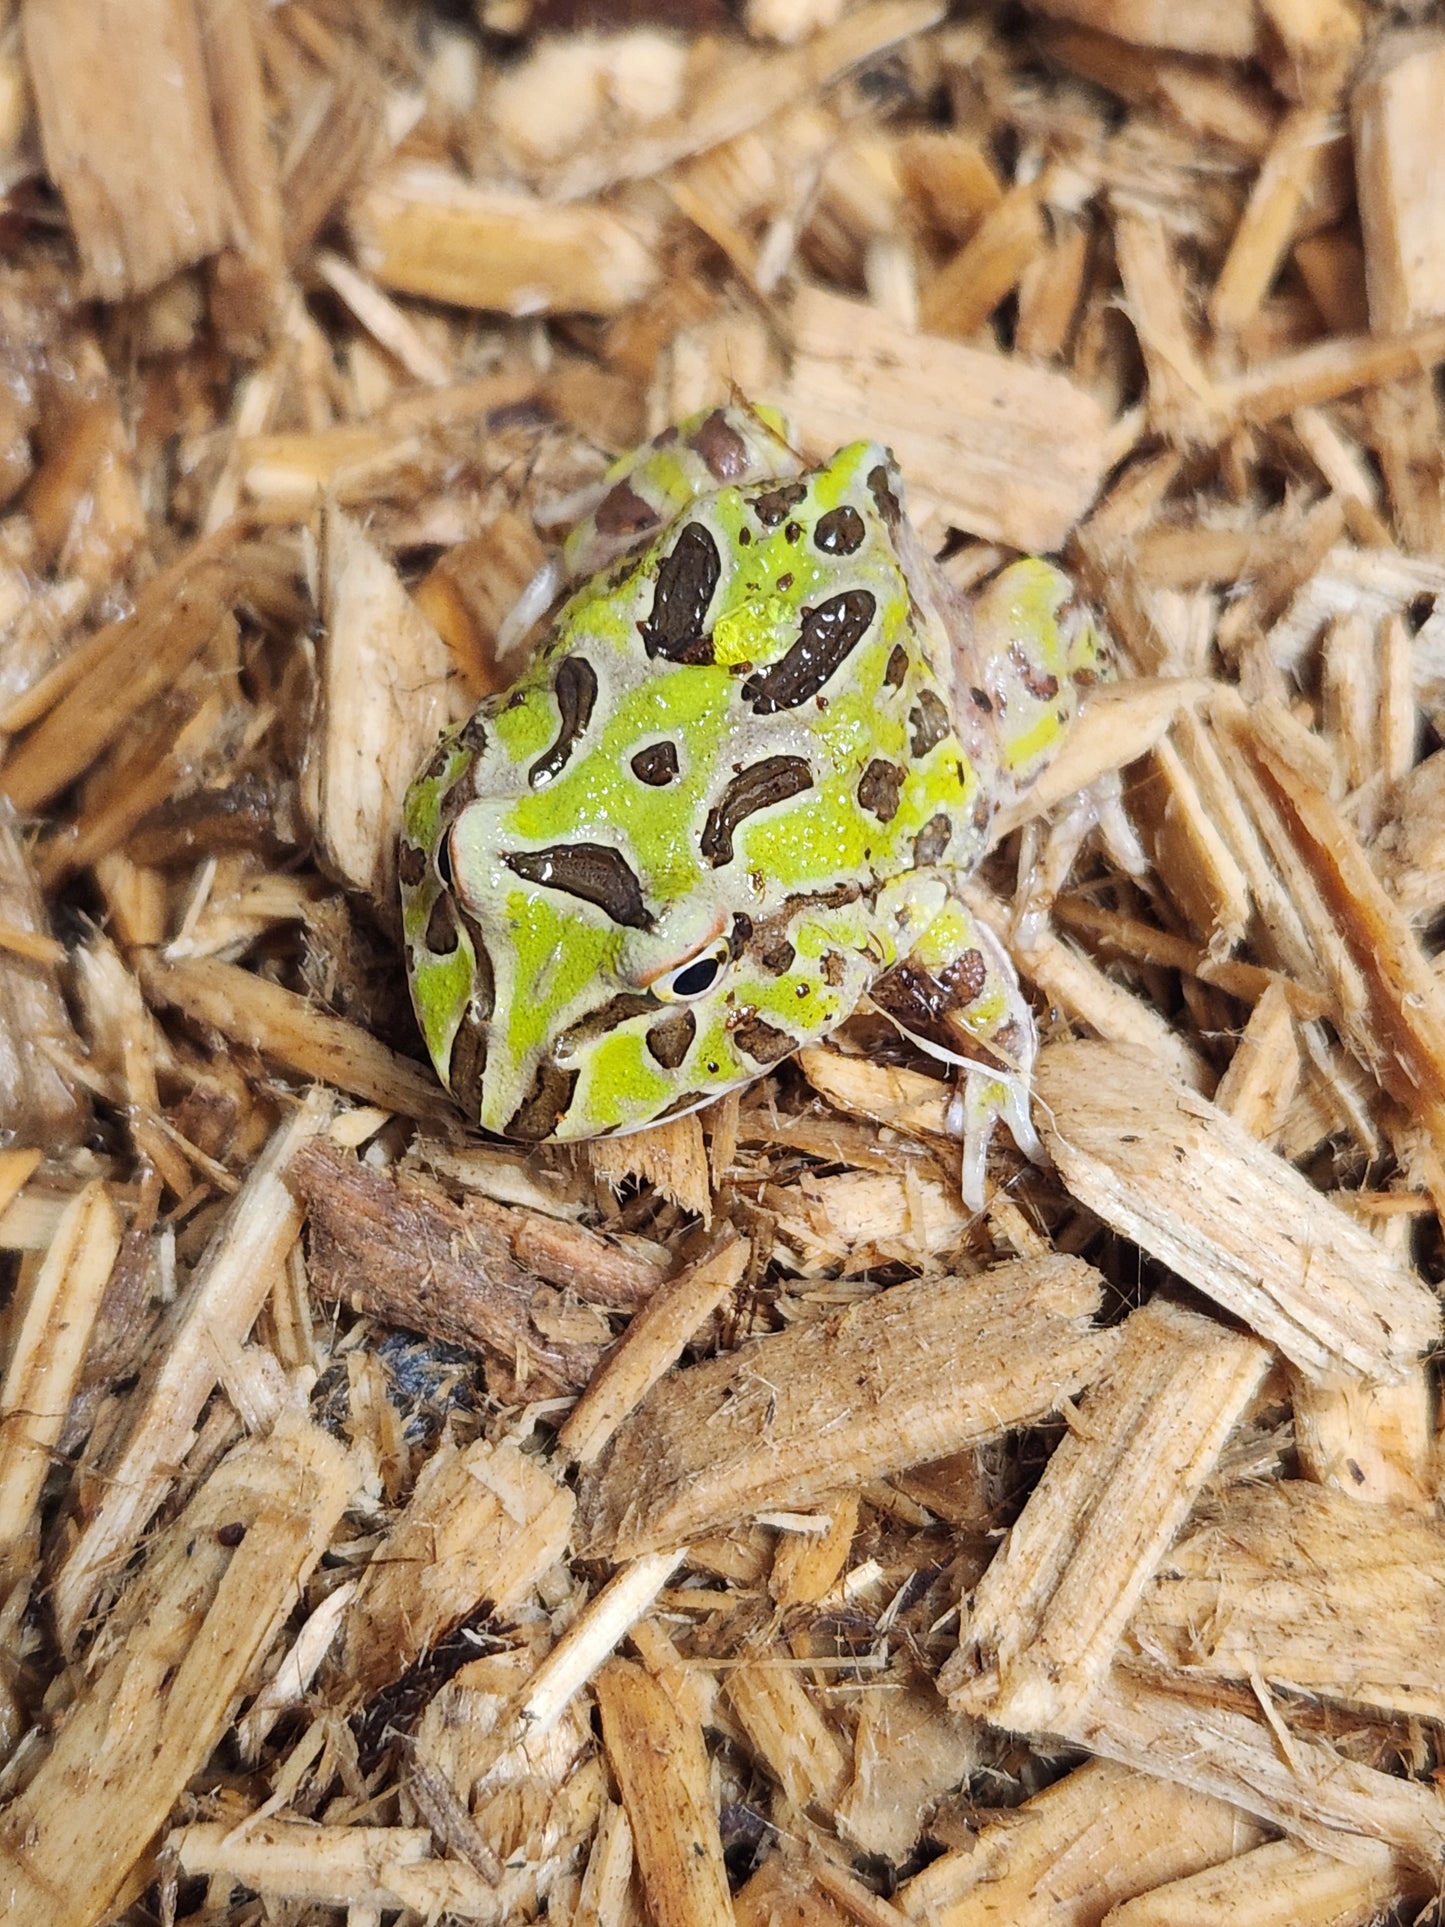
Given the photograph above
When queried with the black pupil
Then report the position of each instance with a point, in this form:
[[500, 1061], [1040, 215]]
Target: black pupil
[[694, 978]]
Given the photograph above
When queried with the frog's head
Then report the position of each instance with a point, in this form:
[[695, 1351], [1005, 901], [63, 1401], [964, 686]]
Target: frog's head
[[585, 960], [561, 999]]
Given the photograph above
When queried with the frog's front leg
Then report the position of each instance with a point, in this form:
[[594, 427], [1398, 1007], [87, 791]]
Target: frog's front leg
[[957, 996]]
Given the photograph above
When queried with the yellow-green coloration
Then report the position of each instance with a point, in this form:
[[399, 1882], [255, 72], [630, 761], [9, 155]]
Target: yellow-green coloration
[[732, 797]]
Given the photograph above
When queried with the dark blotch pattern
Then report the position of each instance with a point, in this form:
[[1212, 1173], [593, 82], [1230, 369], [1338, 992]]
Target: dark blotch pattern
[[622, 511], [592, 871], [776, 504], [777, 956], [830, 634], [839, 532], [575, 687], [773, 780], [932, 841], [544, 1106], [1042, 686], [834, 966], [442, 932], [670, 1039], [755, 1037], [689, 574], [468, 1062], [740, 936], [927, 723], [897, 668], [721, 447], [656, 765], [880, 487], [411, 865], [605, 1019], [880, 788]]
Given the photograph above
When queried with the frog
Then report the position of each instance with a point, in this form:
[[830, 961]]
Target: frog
[[735, 797]]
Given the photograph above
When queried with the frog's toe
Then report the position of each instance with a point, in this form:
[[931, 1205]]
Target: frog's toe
[[981, 1100]]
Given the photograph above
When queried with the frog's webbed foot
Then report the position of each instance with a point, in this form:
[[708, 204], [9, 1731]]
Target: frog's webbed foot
[[1048, 850], [956, 996]]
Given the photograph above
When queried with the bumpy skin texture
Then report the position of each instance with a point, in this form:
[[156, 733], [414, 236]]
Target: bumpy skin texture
[[733, 795]]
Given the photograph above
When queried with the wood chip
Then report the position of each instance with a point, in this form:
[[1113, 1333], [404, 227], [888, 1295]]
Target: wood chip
[[426, 232], [125, 114], [370, 1229], [1309, 1588], [1181, 1179], [660, 1762], [383, 701], [1047, 1616], [1086, 1843], [200, 1616], [484, 1523], [215, 1315], [1017, 456], [857, 1395], [1400, 165]]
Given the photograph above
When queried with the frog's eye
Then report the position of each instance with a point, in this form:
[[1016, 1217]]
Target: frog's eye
[[695, 977]]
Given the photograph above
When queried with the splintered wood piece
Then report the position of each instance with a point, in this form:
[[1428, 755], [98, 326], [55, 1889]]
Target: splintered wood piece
[[187, 1638], [908, 1751], [1307, 1588], [38, 1103], [1179, 1177], [1226, 29], [215, 1313], [1264, 1072], [108, 678], [1372, 1442], [1278, 1885], [651, 1345], [1047, 1615], [1095, 1838], [424, 231], [660, 1764], [1305, 1787], [743, 90], [51, 1320], [1400, 1034], [1400, 172], [370, 1870], [1290, 177], [288, 1028], [126, 121], [787, 1730], [482, 1524], [1319, 40], [1182, 404], [383, 698], [593, 1636], [1007, 451], [404, 1253], [1080, 986], [908, 1375], [989, 265], [248, 275], [1328, 369], [1190, 851], [669, 1155]]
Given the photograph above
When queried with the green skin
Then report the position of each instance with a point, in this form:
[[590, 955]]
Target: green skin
[[652, 868]]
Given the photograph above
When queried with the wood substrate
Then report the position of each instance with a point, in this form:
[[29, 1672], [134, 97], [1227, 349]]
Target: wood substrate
[[719, 1523]]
